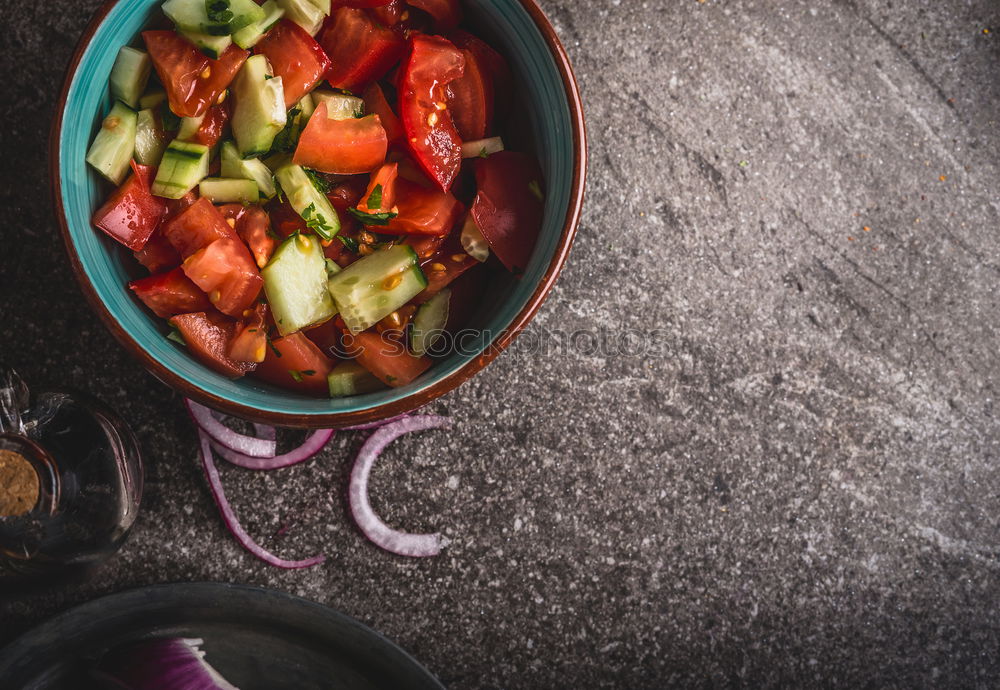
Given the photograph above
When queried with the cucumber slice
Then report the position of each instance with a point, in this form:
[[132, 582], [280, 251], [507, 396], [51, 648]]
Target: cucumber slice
[[373, 287], [212, 46], [233, 165], [303, 13], [473, 242], [221, 190], [323, 6], [308, 202], [229, 15], [114, 144], [183, 166], [306, 106], [153, 98], [249, 36], [277, 160], [130, 75], [189, 127], [339, 106], [260, 107], [295, 283], [150, 139], [429, 323], [350, 378]]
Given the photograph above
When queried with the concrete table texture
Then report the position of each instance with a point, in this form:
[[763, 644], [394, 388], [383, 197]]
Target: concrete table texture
[[789, 475]]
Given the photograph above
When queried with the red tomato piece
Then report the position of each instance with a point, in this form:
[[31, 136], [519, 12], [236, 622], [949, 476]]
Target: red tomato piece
[[225, 271], [344, 147], [325, 336], [360, 3], [471, 102], [196, 227], [507, 207], [169, 294], [347, 194], [441, 269], [193, 81], [422, 211], [383, 179], [295, 57], [294, 362], [467, 293], [389, 14], [253, 227], [431, 136], [131, 213], [285, 221], [212, 126], [424, 245], [176, 206], [376, 104], [158, 255], [360, 49], [446, 13], [494, 63], [250, 342], [386, 359], [207, 339]]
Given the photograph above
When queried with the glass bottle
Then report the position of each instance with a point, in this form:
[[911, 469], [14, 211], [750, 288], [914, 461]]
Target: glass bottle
[[70, 481]]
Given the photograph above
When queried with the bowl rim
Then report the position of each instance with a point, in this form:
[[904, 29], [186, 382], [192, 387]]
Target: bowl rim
[[378, 412]]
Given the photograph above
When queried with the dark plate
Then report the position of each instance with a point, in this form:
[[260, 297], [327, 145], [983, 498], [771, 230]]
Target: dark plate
[[257, 638]]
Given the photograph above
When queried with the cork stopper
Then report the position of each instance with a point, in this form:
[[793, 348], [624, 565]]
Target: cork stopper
[[19, 484]]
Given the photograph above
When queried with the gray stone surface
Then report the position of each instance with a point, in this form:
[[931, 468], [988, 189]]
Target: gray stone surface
[[799, 487]]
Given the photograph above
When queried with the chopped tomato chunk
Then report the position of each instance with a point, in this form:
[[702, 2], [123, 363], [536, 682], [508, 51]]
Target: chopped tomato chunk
[[294, 362], [387, 359], [446, 13], [226, 272], [360, 49], [132, 213], [431, 136], [380, 197], [376, 104], [212, 126], [158, 255], [508, 208], [423, 211], [169, 294], [441, 269], [471, 102], [344, 147], [193, 81], [196, 227], [254, 227], [295, 57], [207, 339], [250, 342]]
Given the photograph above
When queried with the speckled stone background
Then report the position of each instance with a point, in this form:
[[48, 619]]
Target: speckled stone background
[[797, 486]]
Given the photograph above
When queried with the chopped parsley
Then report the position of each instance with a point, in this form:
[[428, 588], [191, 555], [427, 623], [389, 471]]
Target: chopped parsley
[[536, 190], [308, 372], [375, 198], [315, 221], [275, 350], [176, 336], [321, 185], [390, 379], [349, 242], [372, 218], [218, 11], [288, 138], [297, 375], [483, 153]]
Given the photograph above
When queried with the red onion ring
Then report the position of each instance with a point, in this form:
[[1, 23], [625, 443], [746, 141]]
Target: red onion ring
[[379, 533], [232, 522], [225, 437], [265, 431], [314, 443]]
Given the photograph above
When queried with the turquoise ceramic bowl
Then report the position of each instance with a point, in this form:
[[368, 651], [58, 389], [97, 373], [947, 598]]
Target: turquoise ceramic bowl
[[555, 116]]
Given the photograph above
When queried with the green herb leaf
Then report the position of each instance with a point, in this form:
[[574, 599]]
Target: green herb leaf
[[296, 375], [321, 185], [349, 242], [288, 138], [372, 218], [536, 190], [176, 336], [375, 198], [218, 11], [270, 344], [316, 222], [483, 153]]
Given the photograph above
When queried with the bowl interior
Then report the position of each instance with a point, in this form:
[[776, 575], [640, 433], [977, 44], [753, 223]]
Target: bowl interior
[[546, 122]]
